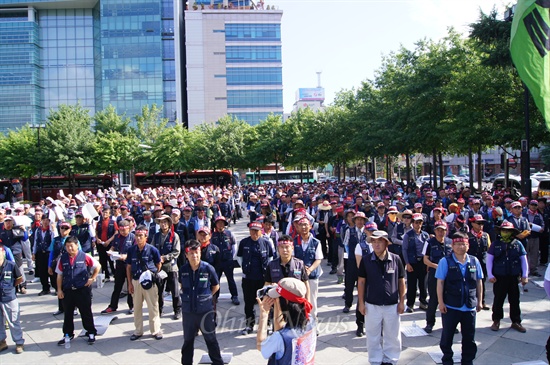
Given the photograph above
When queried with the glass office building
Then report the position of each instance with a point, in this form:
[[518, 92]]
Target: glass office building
[[127, 53]]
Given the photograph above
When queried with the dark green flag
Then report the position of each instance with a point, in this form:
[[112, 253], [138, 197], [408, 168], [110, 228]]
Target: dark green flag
[[530, 47]]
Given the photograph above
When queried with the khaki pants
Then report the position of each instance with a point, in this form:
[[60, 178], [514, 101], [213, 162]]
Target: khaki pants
[[151, 297]]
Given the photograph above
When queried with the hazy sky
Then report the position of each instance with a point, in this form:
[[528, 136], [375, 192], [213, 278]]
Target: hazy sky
[[345, 39]]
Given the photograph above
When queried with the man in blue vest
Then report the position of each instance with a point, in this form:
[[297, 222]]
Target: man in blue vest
[[308, 249], [381, 296], [226, 242], [74, 287], [119, 248], [459, 295], [413, 244], [42, 238], [480, 242], [143, 262], [168, 244], [10, 277], [199, 283], [286, 266], [253, 254], [435, 249], [506, 261]]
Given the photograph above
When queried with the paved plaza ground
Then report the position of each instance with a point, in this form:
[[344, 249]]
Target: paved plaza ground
[[337, 343]]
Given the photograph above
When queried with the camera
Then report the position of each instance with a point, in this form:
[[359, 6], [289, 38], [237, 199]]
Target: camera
[[263, 291]]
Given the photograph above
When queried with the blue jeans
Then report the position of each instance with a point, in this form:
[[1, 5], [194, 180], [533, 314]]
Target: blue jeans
[[9, 312]]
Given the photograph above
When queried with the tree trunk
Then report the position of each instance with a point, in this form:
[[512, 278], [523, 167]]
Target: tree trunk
[[373, 168], [301, 173], [408, 167], [471, 167], [434, 168], [441, 172], [479, 169], [307, 172], [277, 173], [215, 180]]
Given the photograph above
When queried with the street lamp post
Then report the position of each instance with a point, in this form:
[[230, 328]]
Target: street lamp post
[[38, 127]]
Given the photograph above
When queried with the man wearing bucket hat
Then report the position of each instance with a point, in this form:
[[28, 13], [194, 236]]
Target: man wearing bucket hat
[[353, 237], [413, 244], [290, 296], [381, 292], [168, 244], [506, 261]]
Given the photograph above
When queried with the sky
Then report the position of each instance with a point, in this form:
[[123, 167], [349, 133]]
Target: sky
[[346, 39]]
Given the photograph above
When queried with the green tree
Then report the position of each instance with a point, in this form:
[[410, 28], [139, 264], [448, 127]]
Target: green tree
[[114, 152], [107, 120], [172, 150], [19, 153], [68, 140], [150, 124], [274, 141]]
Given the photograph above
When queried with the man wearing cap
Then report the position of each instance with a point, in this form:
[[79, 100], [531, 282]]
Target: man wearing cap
[[506, 261], [353, 237], [106, 230], [187, 221], [14, 238], [84, 232], [334, 222], [435, 249], [181, 230], [254, 253], [57, 247], [226, 242], [381, 296], [536, 221], [479, 243], [76, 272], [413, 244], [308, 249], [199, 284], [10, 277], [459, 295], [143, 259], [168, 244], [43, 237], [380, 218], [297, 209], [119, 249], [404, 226]]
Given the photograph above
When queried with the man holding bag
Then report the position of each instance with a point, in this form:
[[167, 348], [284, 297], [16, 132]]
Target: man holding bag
[[144, 263]]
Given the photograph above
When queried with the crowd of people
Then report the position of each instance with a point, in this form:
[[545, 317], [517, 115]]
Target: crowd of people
[[388, 242]]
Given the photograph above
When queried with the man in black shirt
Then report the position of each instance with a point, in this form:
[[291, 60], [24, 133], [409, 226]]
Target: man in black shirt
[[381, 291]]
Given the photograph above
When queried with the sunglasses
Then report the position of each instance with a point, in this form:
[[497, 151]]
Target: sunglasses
[[64, 228]]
